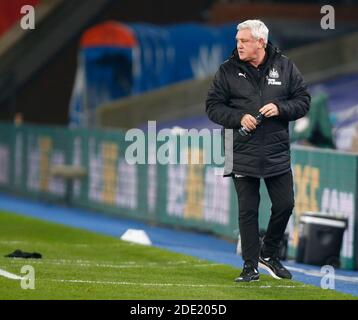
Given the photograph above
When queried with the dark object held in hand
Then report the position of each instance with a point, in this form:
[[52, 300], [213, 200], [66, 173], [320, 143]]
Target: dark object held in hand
[[244, 132]]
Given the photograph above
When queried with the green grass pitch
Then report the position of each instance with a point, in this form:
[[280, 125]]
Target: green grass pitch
[[82, 265]]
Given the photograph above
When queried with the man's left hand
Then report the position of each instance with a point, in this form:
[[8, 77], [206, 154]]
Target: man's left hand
[[269, 110]]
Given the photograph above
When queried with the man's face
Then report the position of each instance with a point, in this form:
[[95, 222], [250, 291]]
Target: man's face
[[247, 46]]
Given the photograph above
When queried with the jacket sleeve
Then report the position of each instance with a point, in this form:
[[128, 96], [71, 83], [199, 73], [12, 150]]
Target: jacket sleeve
[[217, 103], [298, 102]]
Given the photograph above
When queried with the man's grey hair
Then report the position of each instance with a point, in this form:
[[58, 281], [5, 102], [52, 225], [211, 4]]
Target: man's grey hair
[[257, 27]]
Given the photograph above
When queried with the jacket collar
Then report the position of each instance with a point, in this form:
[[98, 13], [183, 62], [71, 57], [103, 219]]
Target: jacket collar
[[272, 52]]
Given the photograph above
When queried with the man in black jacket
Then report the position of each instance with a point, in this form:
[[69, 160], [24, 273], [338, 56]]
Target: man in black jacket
[[258, 79]]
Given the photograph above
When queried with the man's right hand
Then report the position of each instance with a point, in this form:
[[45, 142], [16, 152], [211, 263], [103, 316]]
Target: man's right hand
[[249, 122]]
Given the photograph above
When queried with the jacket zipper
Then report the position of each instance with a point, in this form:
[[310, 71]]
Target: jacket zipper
[[258, 87], [261, 138], [262, 135]]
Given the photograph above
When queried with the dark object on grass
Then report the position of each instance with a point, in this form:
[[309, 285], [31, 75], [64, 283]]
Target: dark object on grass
[[26, 255]]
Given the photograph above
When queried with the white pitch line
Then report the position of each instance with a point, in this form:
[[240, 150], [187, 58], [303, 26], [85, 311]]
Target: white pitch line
[[9, 275], [7, 242], [125, 265], [78, 261], [172, 284]]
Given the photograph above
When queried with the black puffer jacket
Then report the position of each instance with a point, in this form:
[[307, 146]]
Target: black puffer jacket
[[235, 92]]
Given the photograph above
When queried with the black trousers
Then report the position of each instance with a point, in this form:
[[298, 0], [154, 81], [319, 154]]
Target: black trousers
[[280, 189]]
